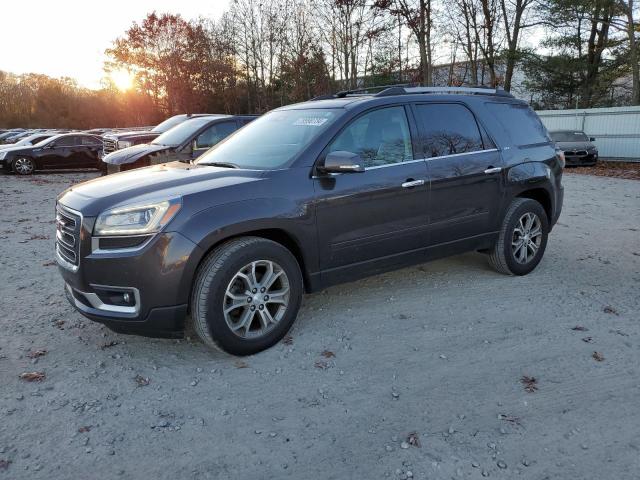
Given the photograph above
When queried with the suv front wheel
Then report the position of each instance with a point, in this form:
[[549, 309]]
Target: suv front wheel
[[246, 295], [522, 239]]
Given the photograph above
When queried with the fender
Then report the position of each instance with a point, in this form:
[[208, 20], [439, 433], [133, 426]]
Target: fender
[[278, 216], [535, 177]]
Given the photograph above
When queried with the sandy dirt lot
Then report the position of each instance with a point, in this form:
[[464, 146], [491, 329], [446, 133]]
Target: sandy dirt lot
[[412, 374]]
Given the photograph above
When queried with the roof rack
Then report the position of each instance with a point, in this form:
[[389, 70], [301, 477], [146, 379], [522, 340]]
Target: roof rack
[[412, 88], [366, 91], [478, 90]]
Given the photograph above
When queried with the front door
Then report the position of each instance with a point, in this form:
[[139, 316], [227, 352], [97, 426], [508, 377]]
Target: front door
[[381, 212], [465, 172]]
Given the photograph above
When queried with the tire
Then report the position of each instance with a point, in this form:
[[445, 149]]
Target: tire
[[224, 280], [23, 166], [505, 257]]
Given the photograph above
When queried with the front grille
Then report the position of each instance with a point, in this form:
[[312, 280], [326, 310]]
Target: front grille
[[109, 145], [68, 226], [578, 153]]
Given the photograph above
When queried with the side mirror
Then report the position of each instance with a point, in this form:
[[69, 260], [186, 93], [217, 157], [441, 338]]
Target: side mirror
[[342, 162], [592, 139]]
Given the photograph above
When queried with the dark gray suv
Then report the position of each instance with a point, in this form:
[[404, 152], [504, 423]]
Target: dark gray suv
[[304, 197]]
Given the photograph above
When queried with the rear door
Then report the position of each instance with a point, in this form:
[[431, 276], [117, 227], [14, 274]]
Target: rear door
[[464, 169], [380, 212], [86, 152]]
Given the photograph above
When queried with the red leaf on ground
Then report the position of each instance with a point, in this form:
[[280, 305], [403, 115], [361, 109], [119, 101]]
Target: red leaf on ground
[[328, 354], [33, 376], [84, 429], [598, 357], [530, 383], [142, 381], [414, 439], [580, 328], [37, 353]]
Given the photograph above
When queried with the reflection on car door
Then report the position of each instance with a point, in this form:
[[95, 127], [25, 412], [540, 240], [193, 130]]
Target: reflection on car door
[[86, 152], [464, 169], [380, 212]]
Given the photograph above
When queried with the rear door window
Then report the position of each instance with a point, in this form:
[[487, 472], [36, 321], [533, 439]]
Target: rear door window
[[448, 129], [519, 122]]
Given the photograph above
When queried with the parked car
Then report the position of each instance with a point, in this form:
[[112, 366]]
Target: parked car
[[27, 141], [122, 139], [578, 148], [64, 151], [307, 196], [185, 142], [10, 133]]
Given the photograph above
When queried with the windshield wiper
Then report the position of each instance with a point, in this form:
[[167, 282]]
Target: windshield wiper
[[221, 164]]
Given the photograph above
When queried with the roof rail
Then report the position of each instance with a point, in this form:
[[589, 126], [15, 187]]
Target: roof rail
[[412, 88], [365, 91], [479, 90]]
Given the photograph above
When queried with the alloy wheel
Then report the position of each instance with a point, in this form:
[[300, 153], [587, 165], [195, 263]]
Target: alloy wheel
[[527, 238], [256, 299], [23, 166]]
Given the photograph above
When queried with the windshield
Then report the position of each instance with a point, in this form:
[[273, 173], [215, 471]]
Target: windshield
[[168, 123], [181, 133], [569, 137], [272, 140]]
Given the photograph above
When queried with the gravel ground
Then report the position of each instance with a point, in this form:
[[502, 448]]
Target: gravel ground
[[416, 373]]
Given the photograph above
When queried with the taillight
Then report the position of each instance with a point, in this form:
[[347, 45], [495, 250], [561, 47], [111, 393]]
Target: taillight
[[560, 155]]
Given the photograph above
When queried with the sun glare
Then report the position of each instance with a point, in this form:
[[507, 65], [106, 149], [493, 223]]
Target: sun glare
[[122, 79]]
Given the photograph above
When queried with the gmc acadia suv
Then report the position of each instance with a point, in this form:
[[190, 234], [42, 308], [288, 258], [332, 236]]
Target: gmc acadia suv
[[307, 196]]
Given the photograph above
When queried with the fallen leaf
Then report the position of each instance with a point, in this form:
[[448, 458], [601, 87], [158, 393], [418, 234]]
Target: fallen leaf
[[321, 365], [4, 464], [328, 354], [33, 376], [580, 328], [142, 381], [108, 345], [37, 353], [49, 264], [59, 324], [598, 357], [611, 310], [287, 340], [413, 439], [39, 237], [241, 364], [84, 429], [587, 339], [509, 418], [530, 383]]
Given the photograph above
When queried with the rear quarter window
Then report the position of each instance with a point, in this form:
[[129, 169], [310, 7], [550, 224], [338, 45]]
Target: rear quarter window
[[520, 123]]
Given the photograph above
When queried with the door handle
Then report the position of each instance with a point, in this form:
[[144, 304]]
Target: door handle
[[412, 183], [491, 170]]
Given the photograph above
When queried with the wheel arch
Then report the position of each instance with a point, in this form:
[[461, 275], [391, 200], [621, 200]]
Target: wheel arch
[[540, 195], [278, 235]]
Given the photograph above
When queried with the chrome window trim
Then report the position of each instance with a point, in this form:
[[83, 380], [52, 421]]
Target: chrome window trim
[[461, 154]]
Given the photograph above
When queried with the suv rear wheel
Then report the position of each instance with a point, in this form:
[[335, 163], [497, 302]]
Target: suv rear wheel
[[246, 295], [522, 239]]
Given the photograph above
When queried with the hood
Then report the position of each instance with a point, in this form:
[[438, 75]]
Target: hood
[[157, 182], [132, 134], [575, 145], [133, 153], [13, 148]]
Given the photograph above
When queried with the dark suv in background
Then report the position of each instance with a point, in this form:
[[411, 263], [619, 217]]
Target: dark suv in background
[[122, 139], [185, 142], [304, 197]]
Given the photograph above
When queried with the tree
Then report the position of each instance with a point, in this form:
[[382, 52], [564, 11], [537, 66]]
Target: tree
[[515, 19]]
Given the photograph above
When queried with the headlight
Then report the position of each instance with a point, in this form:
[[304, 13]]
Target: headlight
[[124, 143], [136, 219]]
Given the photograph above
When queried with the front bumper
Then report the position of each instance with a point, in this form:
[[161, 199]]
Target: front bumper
[[578, 160], [157, 276]]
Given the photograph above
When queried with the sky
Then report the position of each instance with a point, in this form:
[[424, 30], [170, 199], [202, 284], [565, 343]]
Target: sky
[[68, 37]]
